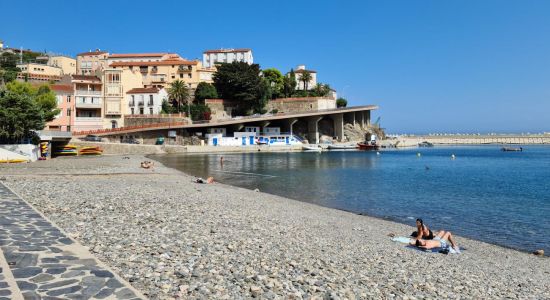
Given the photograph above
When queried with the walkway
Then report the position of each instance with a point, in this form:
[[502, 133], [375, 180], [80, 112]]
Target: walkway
[[38, 261]]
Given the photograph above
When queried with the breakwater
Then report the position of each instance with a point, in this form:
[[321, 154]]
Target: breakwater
[[409, 141]]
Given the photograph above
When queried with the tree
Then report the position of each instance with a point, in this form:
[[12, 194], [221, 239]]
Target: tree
[[306, 78], [24, 109], [321, 90], [275, 80], [205, 91], [241, 82], [289, 84], [341, 102], [167, 108], [179, 92]]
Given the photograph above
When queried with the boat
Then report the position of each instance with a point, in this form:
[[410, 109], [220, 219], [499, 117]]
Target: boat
[[13, 161], [511, 149], [366, 146], [90, 151], [312, 148], [425, 144], [341, 147]]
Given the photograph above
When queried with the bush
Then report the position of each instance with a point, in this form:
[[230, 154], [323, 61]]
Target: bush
[[341, 102]]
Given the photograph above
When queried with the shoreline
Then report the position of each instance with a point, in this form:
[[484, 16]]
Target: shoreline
[[227, 242], [388, 219]]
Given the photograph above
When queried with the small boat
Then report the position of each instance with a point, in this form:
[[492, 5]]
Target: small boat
[[341, 147], [511, 149], [90, 151], [13, 161], [425, 144], [312, 148], [366, 146]]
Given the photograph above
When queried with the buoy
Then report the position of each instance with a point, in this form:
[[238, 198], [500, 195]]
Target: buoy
[[377, 153], [418, 154], [453, 156]]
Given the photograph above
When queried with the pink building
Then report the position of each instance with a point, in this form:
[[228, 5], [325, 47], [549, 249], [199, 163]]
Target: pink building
[[64, 121]]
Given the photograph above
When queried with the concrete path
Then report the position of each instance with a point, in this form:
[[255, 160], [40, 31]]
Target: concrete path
[[39, 261]]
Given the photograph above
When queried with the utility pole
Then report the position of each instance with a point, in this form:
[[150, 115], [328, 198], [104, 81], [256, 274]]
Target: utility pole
[[20, 55]]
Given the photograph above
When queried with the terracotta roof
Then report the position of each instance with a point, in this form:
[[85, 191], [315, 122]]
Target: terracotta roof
[[302, 71], [91, 53], [153, 63], [142, 90], [86, 78], [62, 88], [124, 55], [228, 50]]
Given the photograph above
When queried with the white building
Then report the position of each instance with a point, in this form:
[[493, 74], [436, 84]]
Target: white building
[[211, 57], [145, 101], [300, 70]]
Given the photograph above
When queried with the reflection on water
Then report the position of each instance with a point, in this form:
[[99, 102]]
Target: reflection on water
[[484, 193]]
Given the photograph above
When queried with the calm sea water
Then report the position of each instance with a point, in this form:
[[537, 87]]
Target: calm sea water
[[486, 194]]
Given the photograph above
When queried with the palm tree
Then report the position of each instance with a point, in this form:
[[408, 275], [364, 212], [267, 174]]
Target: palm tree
[[306, 78], [179, 92]]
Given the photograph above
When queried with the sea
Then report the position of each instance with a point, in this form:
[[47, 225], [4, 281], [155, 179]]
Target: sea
[[478, 192]]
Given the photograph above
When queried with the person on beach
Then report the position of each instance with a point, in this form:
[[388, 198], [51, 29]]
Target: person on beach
[[439, 241], [422, 231]]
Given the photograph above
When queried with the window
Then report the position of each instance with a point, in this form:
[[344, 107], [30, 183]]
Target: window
[[141, 110], [189, 75], [68, 112], [151, 99], [173, 76], [69, 128], [132, 110], [181, 75], [68, 98], [113, 124], [150, 110]]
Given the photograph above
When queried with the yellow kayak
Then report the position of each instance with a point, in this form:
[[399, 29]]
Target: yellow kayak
[[13, 161]]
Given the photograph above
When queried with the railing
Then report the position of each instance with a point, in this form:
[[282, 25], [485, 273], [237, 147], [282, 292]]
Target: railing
[[87, 93], [129, 128], [180, 115], [132, 103], [150, 103], [140, 103]]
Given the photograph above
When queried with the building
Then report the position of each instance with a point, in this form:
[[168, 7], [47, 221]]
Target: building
[[89, 63], [88, 102], [65, 103], [65, 63], [145, 101], [39, 72], [211, 57], [301, 104], [300, 70]]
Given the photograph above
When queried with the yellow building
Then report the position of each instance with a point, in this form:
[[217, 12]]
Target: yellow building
[[91, 63], [67, 64], [39, 72]]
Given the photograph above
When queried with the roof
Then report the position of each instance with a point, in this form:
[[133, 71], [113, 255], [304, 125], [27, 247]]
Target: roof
[[86, 78], [89, 53], [124, 55], [228, 50], [65, 88], [303, 71], [153, 63], [143, 90]]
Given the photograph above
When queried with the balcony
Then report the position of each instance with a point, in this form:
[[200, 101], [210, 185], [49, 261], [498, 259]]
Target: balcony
[[154, 70], [140, 103], [131, 103], [143, 69], [185, 69], [87, 93], [88, 102], [150, 103]]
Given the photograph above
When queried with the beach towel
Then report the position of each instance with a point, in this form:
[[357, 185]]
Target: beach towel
[[406, 240]]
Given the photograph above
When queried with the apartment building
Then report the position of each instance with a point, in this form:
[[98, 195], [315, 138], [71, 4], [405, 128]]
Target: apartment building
[[64, 121], [211, 57], [92, 62], [145, 101], [65, 63], [88, 94], [35, 72]]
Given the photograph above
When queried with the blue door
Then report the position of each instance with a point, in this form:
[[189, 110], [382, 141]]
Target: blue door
[[244, 140], [215, 141], [251, 140], [287, 141]]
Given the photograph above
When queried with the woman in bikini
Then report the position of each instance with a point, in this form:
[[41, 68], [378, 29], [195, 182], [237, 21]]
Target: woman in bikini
[[422, 231]]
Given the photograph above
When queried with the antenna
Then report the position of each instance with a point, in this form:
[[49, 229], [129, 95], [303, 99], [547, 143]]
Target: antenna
[[20, 55]]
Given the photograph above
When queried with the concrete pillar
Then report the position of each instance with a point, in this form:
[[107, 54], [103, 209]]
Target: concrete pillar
[[338, 120], [288, 123], [366, 118], [360, 119], [313, 129]]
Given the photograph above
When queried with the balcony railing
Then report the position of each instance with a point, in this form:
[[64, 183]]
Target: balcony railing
[[140, 103], [132, 103], [88, 103], [87, 93], [150, 103]]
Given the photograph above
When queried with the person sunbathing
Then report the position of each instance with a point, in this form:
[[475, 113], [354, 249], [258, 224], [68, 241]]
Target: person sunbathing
[[439, 241], [422, 231]]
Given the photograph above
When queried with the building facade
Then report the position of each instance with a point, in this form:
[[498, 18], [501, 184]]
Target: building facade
[[300, 70], [211, 57], [65, 63], [88, 94], [145, 101], [39, 72], [89, 63], [65, 103]]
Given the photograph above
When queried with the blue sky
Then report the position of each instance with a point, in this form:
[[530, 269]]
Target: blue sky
[[431, 66]]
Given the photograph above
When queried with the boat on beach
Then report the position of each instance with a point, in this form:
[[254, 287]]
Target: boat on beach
[[312, 148], [367, 146], [512, 149], [342, 147]]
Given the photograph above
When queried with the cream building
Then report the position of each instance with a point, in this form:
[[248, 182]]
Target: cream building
[[211, 57], [145, 101], [39, 72], [65, 63], [89, 63], [301, 69], [88, 102]]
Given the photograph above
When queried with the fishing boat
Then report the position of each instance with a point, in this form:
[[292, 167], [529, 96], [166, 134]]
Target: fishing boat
[[341, 147], [511, 149], [367, 146], [312, 148], [425, 144]]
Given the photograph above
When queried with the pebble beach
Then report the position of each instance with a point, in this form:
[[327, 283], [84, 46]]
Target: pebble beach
[[172, 238]]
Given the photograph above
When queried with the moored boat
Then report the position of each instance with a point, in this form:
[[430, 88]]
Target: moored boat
[[425, 144], [341, 147], [511, 149], [312, 148], [366, 146]]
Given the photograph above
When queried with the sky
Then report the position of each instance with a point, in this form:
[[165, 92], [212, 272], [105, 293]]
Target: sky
[[431, 66]]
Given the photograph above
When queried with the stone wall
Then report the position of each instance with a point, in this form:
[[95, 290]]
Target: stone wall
[[145, 120]]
